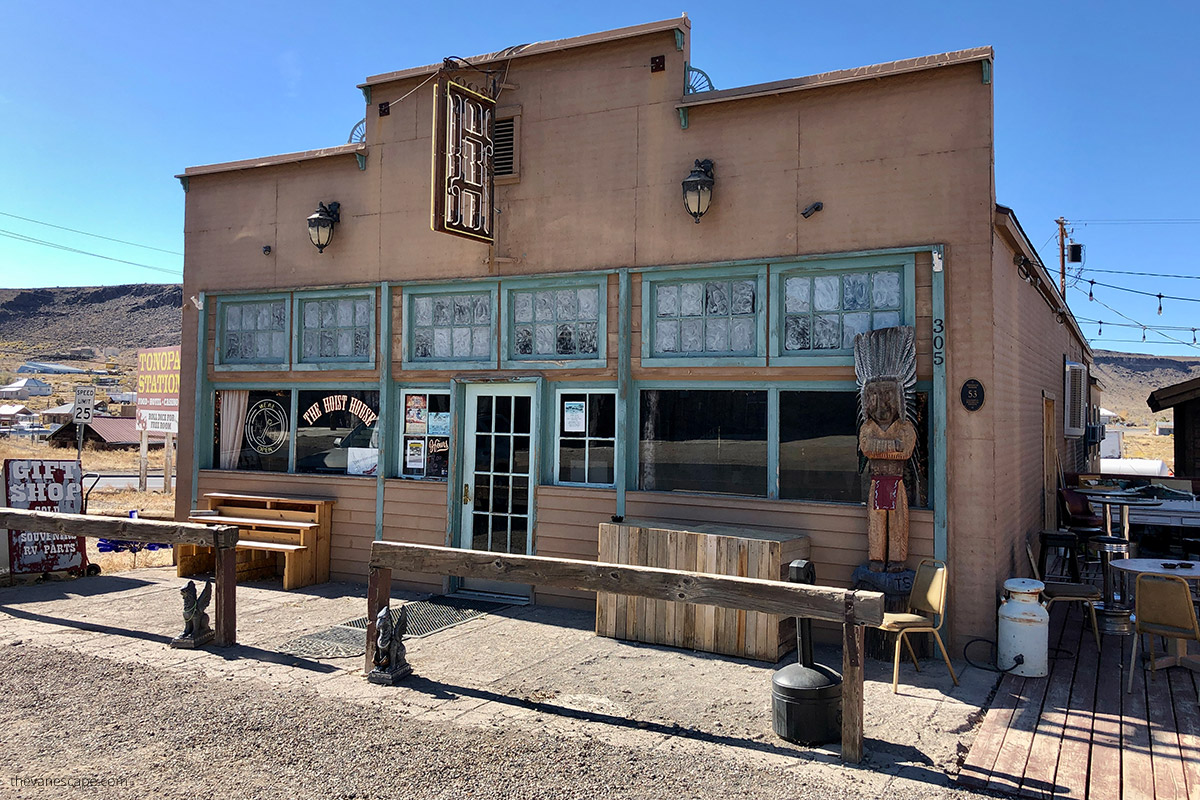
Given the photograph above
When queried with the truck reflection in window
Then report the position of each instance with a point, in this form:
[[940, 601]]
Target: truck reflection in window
[[337, 433]]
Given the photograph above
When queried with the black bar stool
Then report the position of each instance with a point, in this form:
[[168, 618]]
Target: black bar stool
[[1064, 539]]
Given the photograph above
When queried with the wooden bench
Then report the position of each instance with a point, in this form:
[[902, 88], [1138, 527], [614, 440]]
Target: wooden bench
[[296, 527]]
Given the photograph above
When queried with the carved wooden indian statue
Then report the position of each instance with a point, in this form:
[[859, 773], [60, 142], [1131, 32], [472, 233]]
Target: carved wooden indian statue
[[885, 364]]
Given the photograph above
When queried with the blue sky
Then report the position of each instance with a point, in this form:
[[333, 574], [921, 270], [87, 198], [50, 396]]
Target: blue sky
[[1096, 113]]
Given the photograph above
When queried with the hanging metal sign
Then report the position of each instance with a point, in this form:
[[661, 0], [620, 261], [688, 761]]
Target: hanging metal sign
[[463, 126]]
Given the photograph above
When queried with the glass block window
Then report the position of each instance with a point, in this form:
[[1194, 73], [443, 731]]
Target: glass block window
[[712, 317], [451, 327], [587, 436], [556, 323], [255, 332], [336, 328], [825, 312]]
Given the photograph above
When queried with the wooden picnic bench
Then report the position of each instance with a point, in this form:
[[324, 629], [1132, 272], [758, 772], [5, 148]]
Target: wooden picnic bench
[[298, 528]]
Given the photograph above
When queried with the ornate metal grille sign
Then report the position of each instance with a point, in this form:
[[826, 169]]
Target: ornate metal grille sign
[[463, 126]]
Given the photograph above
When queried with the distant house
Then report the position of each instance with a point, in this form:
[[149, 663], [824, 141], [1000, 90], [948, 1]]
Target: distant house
[[59, 415], [46, 368], [106, 433], [122, 397], [83, 352], [24, 389], [1108, 417], [1162, 428], [12, 415]]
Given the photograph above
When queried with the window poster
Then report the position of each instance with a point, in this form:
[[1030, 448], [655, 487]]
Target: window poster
[[439, 423], [362, 460], [574, 416], [416, 414], [414, 453], [438, 454]]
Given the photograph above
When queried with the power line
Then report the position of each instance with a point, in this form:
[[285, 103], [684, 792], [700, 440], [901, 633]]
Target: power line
[[85, 233], [1135, 222], [30, 240], [1140, 274]]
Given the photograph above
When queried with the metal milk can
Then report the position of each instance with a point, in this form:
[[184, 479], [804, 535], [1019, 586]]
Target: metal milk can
[[1024, 629]]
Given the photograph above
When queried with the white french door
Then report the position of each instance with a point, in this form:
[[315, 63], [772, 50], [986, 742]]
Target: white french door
[[498, 474]]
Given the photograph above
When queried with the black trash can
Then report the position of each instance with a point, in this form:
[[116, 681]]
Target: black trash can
[[806, 698]]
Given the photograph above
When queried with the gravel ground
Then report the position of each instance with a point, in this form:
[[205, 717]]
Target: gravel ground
[[73, 717]]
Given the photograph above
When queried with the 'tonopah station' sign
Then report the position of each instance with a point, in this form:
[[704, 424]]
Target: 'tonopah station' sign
[[158, 390]]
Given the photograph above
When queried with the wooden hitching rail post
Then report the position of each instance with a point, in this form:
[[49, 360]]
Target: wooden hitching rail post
[[852, 609], [223, 538]]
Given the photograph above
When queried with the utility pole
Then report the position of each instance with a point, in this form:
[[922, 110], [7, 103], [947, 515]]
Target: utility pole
[[1062, 255]]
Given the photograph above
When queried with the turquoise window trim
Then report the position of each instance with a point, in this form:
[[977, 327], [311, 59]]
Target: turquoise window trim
[[599, 387], [299, 363], [411, 292], [633, 434], [845, 356], [650, 278], [223, 304], [402, 391], [508, 324]]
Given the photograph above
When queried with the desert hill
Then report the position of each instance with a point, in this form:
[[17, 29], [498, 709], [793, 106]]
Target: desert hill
[[46, 323], [1129, 378]]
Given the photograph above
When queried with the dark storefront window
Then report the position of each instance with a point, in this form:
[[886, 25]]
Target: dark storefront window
[[252, 430], [336, 432], [818, 449], [703, 441]]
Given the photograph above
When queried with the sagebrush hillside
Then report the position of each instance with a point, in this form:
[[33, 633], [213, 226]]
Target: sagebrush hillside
[[1129, 378]]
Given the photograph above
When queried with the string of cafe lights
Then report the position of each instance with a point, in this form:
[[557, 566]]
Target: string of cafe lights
[[1130, 322]]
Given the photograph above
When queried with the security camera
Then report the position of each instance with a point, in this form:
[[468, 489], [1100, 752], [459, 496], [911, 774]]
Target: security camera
[[812, 209], [197, 302]]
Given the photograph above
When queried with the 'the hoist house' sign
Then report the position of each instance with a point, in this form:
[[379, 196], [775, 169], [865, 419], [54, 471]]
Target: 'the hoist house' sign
[[463, 125]]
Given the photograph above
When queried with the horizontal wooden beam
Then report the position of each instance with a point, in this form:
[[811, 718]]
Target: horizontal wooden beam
[[122, 528], [750, 594]]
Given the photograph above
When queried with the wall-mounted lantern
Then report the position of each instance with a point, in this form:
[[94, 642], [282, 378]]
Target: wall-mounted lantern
[[321, 224], [697, 189]]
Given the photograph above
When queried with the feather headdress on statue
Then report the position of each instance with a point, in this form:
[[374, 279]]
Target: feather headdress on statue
[[887, 354]]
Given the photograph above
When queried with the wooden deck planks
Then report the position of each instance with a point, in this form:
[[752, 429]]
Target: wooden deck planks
[[982, 757], [1164, 740], [1078, 735], [1137, 770], [1042, 766], [1187, 721], [1104, 779]]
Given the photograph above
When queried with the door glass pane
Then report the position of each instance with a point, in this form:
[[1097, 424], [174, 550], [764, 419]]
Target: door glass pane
[[501, 452], [483, 453], [521, 414], [600, 462], [520, 496], [483, 494], [483, 414], [500, 486], [503, 414], [518, 537], [499, 533], [520, 464], [479, 532]]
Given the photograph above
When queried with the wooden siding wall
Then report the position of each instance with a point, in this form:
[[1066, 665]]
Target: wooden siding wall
[[568, 524]]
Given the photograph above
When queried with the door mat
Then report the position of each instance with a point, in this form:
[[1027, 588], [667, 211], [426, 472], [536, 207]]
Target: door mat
[[348, 640]]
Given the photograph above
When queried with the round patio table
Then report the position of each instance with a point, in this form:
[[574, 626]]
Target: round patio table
[[1154, 566]]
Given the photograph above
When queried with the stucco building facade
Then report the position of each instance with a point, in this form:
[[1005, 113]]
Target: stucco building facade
[[631, 361]]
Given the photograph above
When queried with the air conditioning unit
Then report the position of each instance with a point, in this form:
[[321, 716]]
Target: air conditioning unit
[[1075, 400], [1093, 435]]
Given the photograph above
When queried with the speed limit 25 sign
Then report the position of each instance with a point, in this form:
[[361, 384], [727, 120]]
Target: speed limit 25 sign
[[85, 402]]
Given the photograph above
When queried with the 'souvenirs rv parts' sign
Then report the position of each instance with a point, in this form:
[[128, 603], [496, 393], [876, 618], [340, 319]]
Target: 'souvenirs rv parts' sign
[[43, 485], [158, 390]]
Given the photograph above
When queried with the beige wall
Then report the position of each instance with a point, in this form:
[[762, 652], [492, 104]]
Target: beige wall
[[898, 161]]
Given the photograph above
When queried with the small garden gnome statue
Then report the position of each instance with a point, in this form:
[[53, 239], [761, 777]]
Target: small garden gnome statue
[[885, 363], [391, 665]]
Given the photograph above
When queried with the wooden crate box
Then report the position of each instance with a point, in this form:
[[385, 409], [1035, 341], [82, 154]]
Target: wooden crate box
[[715, 549]]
